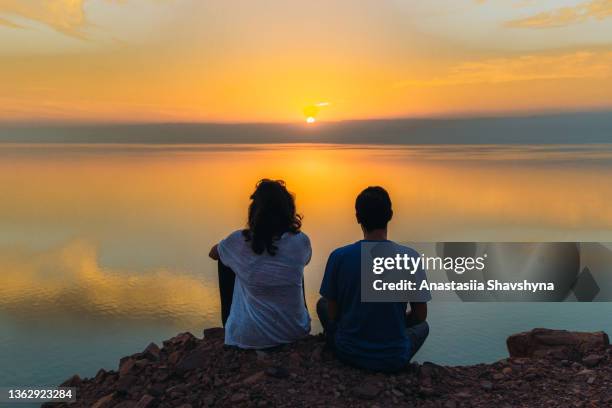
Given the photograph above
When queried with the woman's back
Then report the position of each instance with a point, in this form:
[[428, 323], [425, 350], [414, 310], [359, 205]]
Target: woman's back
[[268, 303]]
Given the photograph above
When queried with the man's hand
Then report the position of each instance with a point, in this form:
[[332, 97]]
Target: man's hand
[[214, 252]]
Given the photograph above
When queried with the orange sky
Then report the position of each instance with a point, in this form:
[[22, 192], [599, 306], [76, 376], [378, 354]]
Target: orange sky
[[193, 60]]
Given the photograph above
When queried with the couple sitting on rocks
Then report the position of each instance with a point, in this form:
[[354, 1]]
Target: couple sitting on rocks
[[261, 282]]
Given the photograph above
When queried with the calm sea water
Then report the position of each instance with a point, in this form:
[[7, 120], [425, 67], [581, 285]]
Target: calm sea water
[[103, 248]]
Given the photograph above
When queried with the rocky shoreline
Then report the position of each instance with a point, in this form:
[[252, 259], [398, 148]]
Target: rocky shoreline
[[546, 368]]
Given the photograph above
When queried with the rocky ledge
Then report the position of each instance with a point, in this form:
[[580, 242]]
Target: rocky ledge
[[546, 368]]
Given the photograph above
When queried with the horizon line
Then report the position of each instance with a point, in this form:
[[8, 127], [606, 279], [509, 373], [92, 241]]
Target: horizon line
[[435, 117]]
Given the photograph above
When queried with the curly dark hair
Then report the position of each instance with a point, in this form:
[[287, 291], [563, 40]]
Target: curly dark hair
[[271, 214]]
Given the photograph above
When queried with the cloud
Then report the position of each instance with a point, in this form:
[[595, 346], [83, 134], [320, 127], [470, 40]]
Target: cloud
[[65, 16], [574, 65], [70, 280], [7, 23], [597, 9]]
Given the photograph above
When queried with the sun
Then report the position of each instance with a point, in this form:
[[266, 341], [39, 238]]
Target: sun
[[310, 119]]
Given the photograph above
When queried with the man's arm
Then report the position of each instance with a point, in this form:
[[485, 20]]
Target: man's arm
[[417, 314], [332, 310]]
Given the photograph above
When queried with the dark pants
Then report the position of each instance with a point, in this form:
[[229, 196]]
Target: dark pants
[[227, 278], [226, 290], [416, 332]]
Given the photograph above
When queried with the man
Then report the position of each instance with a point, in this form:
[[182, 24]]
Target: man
[[379, 336]]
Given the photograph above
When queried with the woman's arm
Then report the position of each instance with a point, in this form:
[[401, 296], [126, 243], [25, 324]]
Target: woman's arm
[[214, 252]]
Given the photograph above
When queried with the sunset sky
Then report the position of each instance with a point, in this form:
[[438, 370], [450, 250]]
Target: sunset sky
[[282, 61]]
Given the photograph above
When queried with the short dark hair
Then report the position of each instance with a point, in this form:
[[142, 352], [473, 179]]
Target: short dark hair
[[373, 208]]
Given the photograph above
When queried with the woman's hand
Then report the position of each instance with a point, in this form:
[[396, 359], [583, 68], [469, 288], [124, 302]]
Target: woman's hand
[[214, 252]]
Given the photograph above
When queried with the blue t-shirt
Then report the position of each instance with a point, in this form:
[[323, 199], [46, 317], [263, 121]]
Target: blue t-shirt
[[368, 335]]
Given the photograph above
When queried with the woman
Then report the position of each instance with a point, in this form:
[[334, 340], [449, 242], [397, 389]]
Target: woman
[[264, 306]]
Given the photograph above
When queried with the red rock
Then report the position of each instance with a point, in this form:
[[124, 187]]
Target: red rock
[[126, 404], [221, 371], [239, 397], [592, 360], [126, 366], [367, 391], [214, 333], [254, 378], [151, 352], [277, 372], [185, 340], [427, 392], [192, 360], [486, 385], [100, 376], [174, 357], [541, 341], [73, 381], [104, 402], [147, 401]]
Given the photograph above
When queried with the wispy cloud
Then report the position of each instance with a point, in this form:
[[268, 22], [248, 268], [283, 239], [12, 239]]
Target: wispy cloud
[[65, 16], [579, 64], [7, 23], [563, 16], [76, 282]]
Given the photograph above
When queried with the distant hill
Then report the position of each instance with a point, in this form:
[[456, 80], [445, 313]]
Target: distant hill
[[574, 128]]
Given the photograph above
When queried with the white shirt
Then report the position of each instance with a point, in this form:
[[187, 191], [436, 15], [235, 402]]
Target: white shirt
[[268, 304]]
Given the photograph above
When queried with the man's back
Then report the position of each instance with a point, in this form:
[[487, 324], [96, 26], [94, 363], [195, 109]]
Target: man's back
[[369, 335]]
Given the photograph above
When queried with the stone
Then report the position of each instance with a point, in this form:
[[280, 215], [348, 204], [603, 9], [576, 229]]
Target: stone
[[100, 376], [214, 333], [277, 372], [540, 341], [147, 401], [184, 340], [238, 397], [126, 382], [104, 402], [228, 377], [194, 359], [73, 381], [151, 352], [254, 378], [126, 404], [426, 391], [592, 360], [486, 385], [126, 366], [317, 353], [367, 391], [156, 390]]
